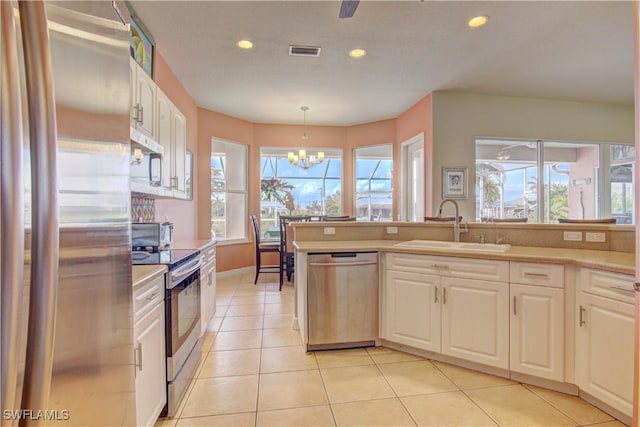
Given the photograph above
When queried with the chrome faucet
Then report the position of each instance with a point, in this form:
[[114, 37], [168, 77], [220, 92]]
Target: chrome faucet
[[456, 224]]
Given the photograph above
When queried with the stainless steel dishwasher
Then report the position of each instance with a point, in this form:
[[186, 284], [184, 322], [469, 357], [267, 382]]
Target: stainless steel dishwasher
[[342, 300]]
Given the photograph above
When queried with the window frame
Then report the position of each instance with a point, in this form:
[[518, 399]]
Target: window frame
[[603, 182], [280, 152], [373, 192], [245, 193]]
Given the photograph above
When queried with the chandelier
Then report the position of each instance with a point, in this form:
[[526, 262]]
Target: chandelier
[[304, 159]]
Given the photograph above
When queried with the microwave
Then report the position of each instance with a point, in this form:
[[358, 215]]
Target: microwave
[[151, 236]]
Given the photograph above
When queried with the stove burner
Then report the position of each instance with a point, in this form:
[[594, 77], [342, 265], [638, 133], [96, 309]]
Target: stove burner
[[172, 258]]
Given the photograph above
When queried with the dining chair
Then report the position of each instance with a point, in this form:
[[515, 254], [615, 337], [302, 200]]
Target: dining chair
[[286, 243], [441, 218], [337, 218], [587, 221], [508, 220], [265, 247]]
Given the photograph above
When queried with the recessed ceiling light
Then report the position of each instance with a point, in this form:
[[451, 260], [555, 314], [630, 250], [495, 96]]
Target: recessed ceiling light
[[244, 44], [357, 53], [477, 21]]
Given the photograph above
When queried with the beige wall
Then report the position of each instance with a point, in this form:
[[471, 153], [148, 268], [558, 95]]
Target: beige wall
[[416, 120], [458, 118]]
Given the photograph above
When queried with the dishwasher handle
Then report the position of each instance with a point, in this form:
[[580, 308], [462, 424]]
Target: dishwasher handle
[[344, 255], [341, 264]]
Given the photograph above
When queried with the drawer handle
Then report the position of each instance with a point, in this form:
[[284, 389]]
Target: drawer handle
[[436, 295], [444, 296], [536, 275], [582, 321], [152, 296], [514, 305], [621, 288], [440, 266], [137, 356]]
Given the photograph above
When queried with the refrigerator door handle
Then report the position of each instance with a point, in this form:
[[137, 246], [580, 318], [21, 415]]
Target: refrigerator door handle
[[44, 202], [12, 215]]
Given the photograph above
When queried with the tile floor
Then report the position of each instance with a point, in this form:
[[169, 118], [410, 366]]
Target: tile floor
[[254, 372]]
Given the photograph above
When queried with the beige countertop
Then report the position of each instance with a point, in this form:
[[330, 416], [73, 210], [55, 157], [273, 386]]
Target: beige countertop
[[620, 262], [142, 273], [199, 244]]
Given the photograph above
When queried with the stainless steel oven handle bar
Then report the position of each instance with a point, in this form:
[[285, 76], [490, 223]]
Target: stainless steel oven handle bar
[[187, 269]]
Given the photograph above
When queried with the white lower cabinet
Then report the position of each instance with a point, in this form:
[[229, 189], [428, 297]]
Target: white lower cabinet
[[207, 288], [429, 308], [151, 383], [537, 331], [605, 350], [413, 310], [475, 321]]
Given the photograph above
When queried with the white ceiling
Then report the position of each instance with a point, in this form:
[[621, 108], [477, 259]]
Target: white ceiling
[[571, 50]]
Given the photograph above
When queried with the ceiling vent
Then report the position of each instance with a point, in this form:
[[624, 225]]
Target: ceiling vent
[[304, 50]]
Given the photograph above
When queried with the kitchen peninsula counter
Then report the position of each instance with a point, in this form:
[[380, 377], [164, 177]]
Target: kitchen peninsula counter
[[619, 262]]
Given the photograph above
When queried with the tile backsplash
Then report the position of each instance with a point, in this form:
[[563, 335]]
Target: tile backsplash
[[143, 208]]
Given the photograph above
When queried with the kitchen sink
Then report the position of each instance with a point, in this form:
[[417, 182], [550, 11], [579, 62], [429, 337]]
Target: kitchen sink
[[438, 244]]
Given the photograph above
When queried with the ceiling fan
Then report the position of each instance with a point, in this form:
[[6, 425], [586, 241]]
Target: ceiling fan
[[348, 8]]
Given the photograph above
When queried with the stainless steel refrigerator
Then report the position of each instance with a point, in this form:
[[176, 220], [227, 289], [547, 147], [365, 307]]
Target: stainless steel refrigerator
[[66, 332]]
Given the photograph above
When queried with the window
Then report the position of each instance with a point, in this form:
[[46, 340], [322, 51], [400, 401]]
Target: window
[[289, 190], [621, 173], [373, 183], [574, 180], [228, 190]]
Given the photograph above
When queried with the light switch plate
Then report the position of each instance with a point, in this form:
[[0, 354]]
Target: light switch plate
[[392, 230], [595, 237], [329, 231], [574, 236]]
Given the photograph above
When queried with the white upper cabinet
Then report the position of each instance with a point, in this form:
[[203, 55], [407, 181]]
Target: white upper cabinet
[[172, 135], [143, 100], [179, 154], [156, 118]]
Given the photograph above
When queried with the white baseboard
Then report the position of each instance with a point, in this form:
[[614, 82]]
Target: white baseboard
[[236, 272]]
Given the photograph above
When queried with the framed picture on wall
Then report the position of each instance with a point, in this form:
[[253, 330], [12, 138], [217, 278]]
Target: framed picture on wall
[[141, 46], [454, 183]]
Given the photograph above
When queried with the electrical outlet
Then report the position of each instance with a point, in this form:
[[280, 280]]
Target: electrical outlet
[[574, 236], [329, 231], [392, 230], [595, 237]]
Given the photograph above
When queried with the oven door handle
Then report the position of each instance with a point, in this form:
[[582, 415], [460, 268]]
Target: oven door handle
[[187, 269]]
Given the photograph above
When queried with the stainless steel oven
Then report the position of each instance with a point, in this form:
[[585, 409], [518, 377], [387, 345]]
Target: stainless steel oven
[[182, 305], [182, 316]]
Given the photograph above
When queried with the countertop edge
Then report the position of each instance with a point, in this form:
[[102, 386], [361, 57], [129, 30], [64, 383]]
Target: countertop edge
[[143, 273], [197, 244], [619, 262]]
